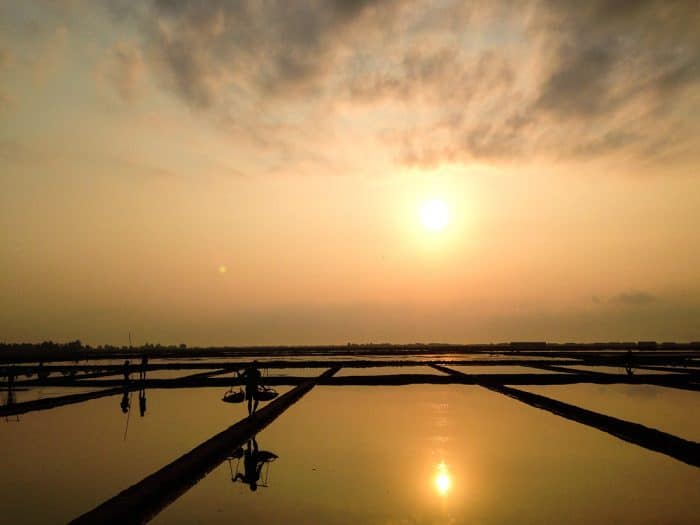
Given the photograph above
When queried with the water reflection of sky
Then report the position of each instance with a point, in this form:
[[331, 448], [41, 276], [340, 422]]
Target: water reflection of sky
[[353, 455], [373, 455], [387, 370], [495, 369], [667, 409]]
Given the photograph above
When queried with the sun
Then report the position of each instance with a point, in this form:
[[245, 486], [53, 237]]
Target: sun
[[435, 215], [443, 481]]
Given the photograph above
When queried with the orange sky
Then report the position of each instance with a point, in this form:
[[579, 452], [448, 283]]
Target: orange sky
[[144, 148]]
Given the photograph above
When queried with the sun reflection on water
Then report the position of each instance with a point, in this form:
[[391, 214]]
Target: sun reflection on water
[[443, 481]]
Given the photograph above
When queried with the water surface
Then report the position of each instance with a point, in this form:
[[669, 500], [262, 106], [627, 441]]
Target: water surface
[[422, 454]]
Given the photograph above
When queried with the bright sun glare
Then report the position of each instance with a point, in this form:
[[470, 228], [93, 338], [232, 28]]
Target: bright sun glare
[[435, 215], [443, 482]]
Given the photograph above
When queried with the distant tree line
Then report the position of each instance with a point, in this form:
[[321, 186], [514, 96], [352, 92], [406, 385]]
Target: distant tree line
[[77, 345]]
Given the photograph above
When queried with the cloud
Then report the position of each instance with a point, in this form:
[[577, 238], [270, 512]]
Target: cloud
[[578, 86], [5, 63], [122, 69], [37, 154], [12, 151], [204, 49], [435, 84], [620, 49], [633, 298], [614, 83], [5, 58], [129, 69], [610, 141], [627, 298]]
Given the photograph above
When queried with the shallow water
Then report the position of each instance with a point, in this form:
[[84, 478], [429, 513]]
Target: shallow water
[[387, 370], [667, 409], [281, 372], [491, 369], [363, 455], [619, 370]]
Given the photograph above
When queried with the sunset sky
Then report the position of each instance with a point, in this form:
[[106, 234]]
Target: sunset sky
[[239, 173]]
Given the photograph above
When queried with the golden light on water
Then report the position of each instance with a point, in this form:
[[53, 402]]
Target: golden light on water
[[435, 215], [443, 481]]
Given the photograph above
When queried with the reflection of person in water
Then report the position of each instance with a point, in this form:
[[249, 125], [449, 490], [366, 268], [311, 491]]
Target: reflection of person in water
[[125, 402], [142, 389], [252, 381], [142, 402], [252, 465]]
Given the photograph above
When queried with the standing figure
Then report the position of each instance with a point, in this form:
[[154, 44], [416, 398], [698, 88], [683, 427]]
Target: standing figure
[[629, 363], [10, 385], [252, 381], [144, 366], [126, 371]]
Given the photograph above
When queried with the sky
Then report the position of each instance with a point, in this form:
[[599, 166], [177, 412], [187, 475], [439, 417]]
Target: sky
[[249, 173]]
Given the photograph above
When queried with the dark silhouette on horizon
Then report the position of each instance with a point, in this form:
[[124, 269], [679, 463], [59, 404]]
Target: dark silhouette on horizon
[[42, 373], [629, 362], [10, 385], [144, 367], [10, 398], [126, 371]]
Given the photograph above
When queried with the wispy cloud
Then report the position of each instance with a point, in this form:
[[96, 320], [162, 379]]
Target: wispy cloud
[[448, 82], [635, 297], [123, 68], [627, 298]]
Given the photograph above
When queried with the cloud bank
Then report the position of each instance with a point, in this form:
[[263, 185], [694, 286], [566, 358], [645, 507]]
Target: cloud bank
[[439, 82]]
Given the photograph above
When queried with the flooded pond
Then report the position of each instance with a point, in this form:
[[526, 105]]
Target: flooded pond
[[420, 454]]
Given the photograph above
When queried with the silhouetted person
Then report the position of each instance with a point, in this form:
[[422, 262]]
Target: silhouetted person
[[252, 382], [252, 465], [42, 373], [10, 389], [628, 363], [126, 371], [142, 402], [144, 365]]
